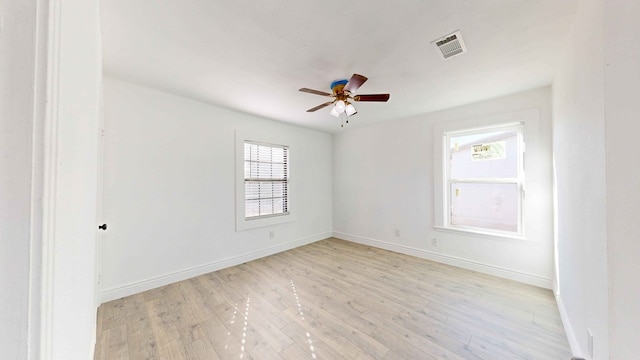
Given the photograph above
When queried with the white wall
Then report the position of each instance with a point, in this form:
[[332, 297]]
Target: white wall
[[622, 126], [384, 179], [17, 64], [579, 152], [169, 189]]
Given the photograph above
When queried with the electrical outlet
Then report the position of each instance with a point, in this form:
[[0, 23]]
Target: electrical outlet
[[434, 242], [590, 342], [396, 232], [271, 234]]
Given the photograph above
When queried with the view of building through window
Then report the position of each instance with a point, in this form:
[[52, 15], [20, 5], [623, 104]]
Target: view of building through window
[[484, 179]]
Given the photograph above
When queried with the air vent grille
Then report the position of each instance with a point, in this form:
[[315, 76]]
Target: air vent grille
[[450, 45]]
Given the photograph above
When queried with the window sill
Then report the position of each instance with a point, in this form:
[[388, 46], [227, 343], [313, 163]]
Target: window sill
[[253, 223], [484, 234]]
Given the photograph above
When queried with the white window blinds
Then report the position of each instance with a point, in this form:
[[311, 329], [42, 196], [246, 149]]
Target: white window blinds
[[266, 179]]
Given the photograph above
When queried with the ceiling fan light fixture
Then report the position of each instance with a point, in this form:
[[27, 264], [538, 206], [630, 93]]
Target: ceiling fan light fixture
[[340, 105], [335, 112], [350, 110]]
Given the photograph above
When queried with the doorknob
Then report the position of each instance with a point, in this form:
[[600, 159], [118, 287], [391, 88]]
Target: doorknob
[[103, 227]]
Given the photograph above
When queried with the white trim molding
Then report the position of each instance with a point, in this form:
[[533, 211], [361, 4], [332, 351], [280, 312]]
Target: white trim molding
[[50, 139], [67, 161], [501, 272], [155, 282], [568, 329]]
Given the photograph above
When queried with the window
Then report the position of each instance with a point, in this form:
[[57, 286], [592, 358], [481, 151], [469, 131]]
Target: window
[[264, 189], [266, 180], [483, 179]]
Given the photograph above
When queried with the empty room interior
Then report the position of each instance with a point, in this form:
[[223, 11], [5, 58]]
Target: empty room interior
[[208, 179]]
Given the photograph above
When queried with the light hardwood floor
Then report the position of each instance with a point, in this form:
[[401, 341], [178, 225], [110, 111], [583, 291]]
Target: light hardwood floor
[[335, 300]]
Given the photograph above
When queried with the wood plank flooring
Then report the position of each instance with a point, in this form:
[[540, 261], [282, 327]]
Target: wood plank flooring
[[335, 300]]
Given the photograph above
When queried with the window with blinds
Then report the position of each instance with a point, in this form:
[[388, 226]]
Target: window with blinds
[[266, 180]]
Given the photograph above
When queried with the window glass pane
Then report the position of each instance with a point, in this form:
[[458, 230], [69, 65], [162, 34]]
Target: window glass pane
[[278, 155], [263, 171], [278, 189], [492, 154], [278, 206], [247, 169], [264, 153], [278, 171], [486, 206], [252, 208], [247, 151], [253, 153], [251, 190], [266, 190], [266, 206]]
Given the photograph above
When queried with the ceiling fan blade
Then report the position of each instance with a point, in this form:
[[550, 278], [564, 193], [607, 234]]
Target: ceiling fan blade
[[320, 106], [372, 97], [317, 92], [355, 82]]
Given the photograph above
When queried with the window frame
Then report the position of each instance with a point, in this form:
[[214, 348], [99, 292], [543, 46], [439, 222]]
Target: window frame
[[243, 223], [519, 180]]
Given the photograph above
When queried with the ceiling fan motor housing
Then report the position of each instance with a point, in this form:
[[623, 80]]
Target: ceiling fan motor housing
[[338, 86]]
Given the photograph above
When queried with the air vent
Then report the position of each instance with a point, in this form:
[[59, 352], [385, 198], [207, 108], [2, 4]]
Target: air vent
[[450, 45]]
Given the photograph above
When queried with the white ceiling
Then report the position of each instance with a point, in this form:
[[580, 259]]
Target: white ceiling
[[253, 56]]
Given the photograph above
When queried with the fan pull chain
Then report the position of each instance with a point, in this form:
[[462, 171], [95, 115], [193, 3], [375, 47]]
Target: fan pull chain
[[343, 119]]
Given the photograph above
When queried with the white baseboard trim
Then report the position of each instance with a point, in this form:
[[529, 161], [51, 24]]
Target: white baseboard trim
[[451, 260], [136, 287], [568, 329]]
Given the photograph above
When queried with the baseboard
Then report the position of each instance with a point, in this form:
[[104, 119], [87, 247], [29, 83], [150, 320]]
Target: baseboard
[[155, 282], [568, 329], [526, 278]]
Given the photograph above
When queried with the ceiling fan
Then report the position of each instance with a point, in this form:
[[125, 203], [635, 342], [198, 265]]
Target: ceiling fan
[[343, 95]]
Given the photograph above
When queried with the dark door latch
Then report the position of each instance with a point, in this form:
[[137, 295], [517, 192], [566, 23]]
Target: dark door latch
[[103, 227]]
